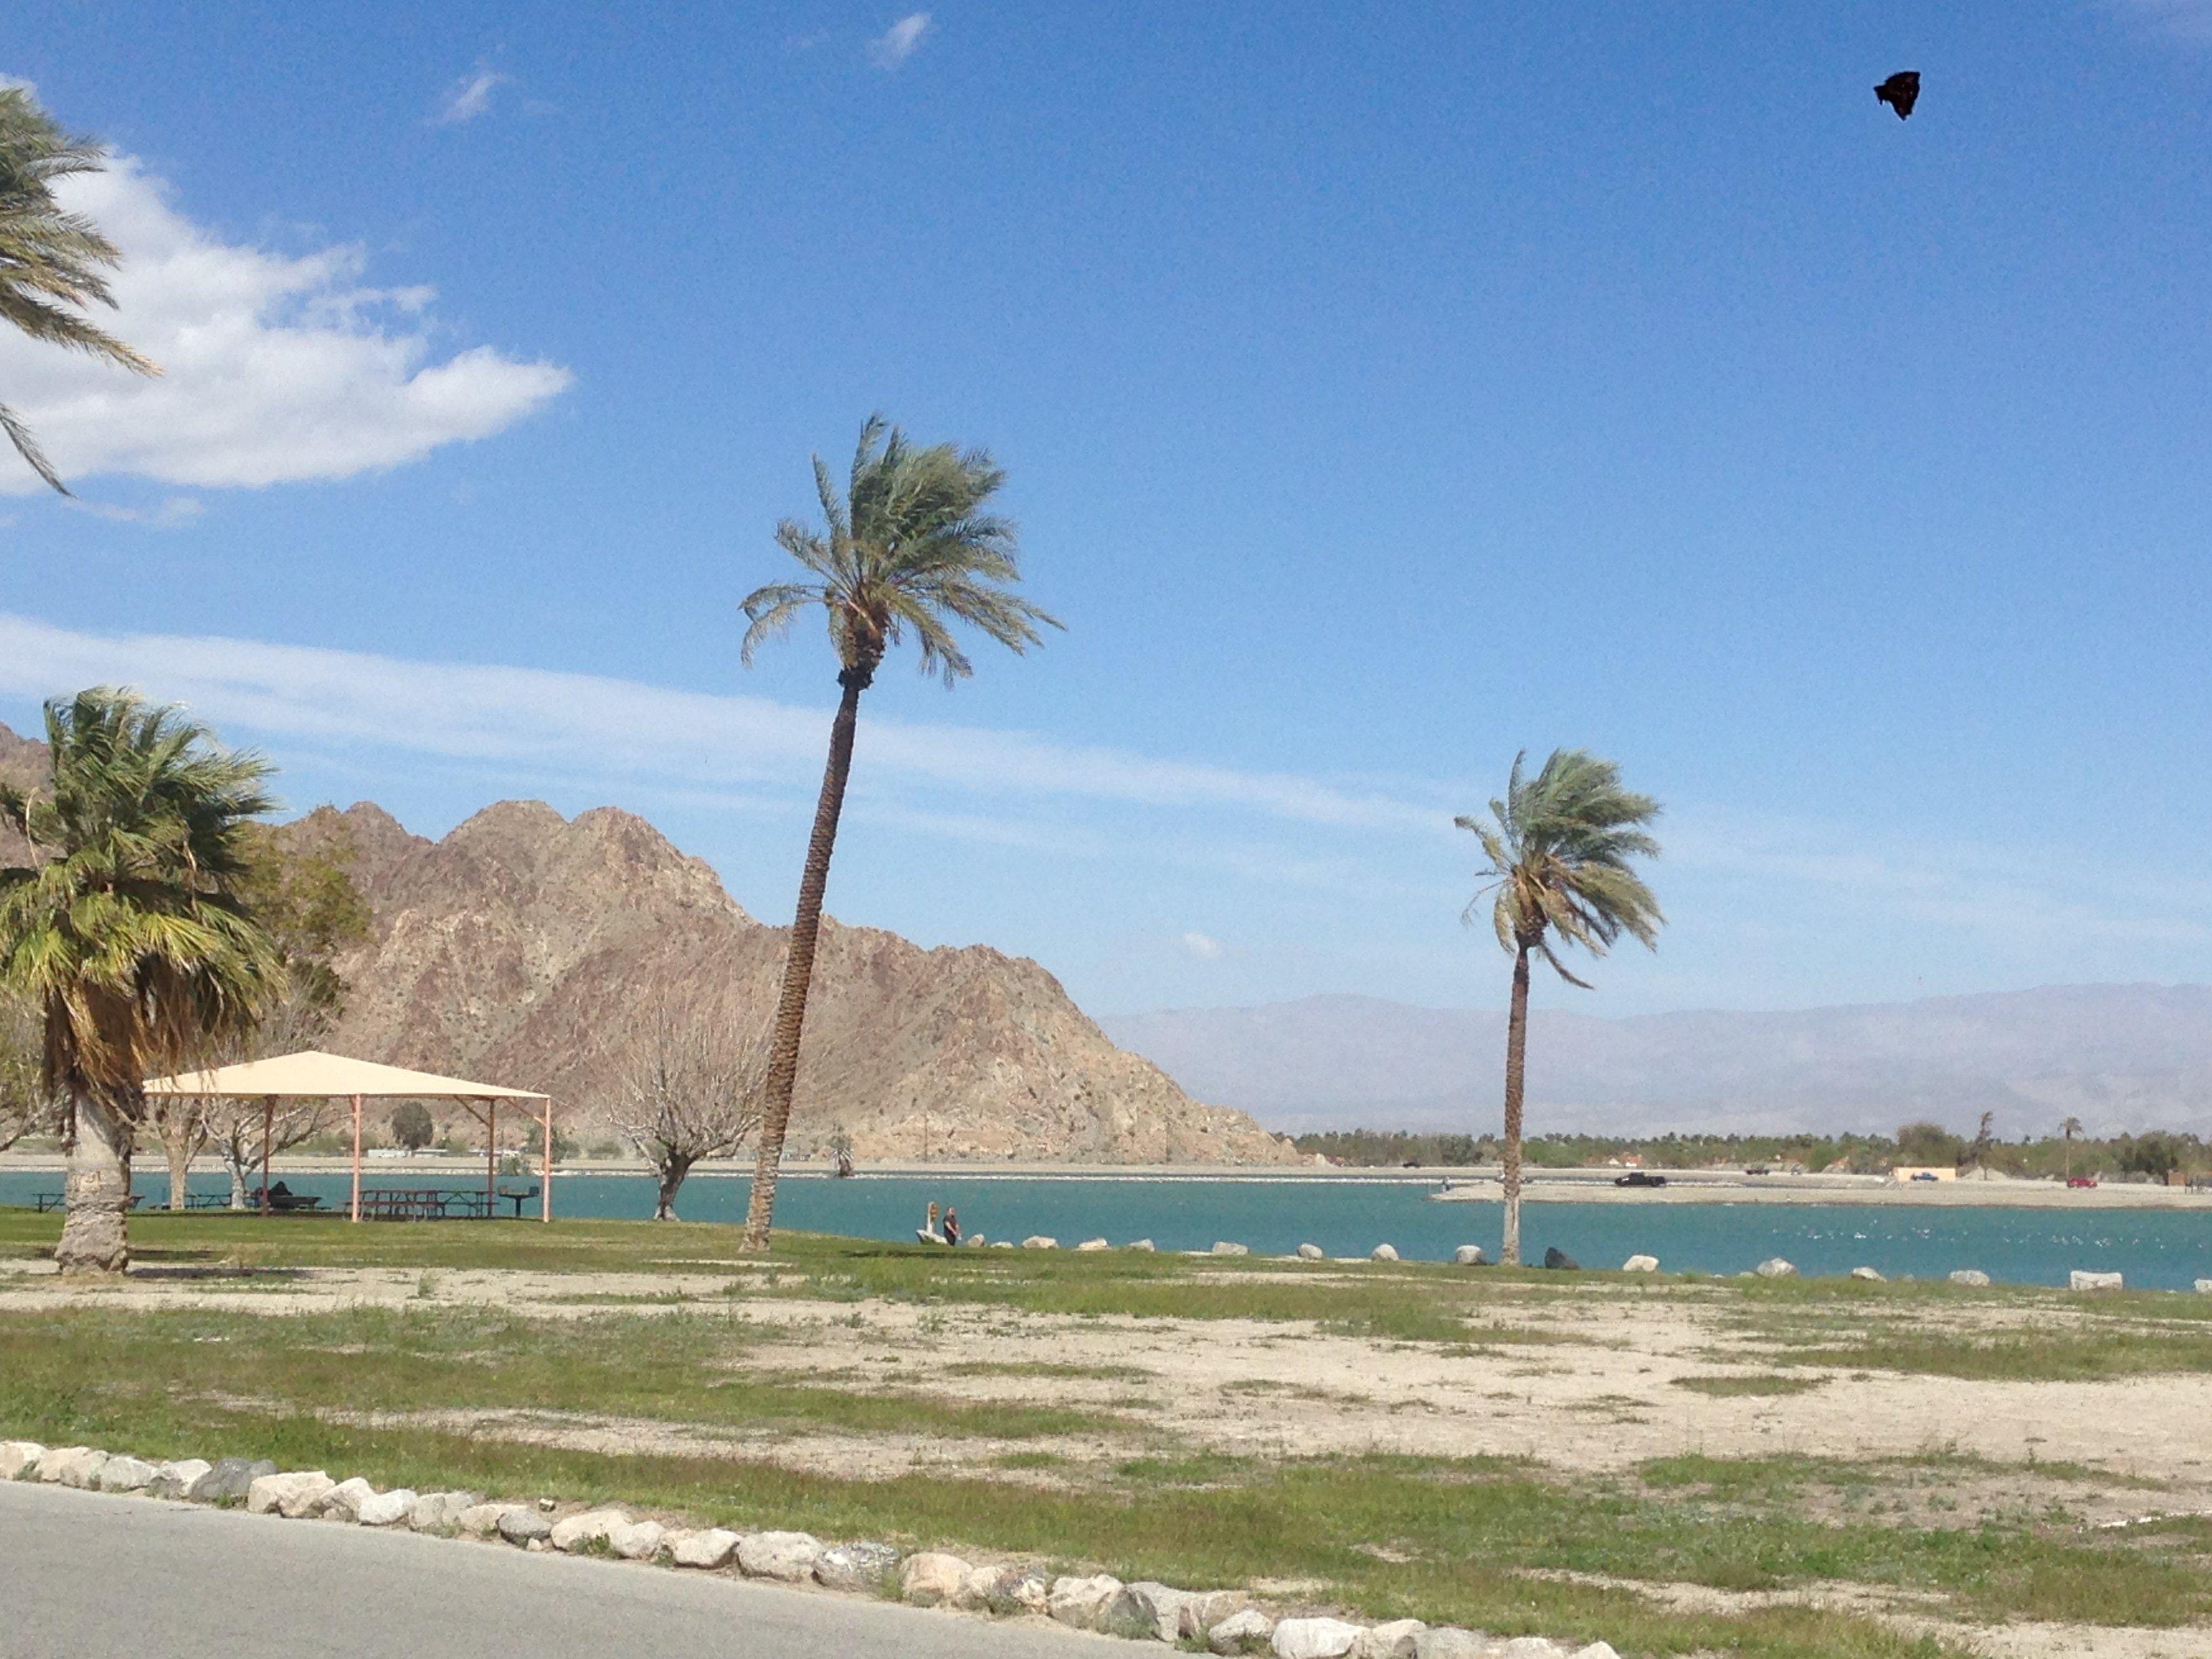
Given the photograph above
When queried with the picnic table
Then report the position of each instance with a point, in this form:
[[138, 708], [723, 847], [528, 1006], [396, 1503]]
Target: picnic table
[[439, 1203], [46, 1201]]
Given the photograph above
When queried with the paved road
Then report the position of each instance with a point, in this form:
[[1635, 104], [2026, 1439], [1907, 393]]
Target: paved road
[[88, 1576]]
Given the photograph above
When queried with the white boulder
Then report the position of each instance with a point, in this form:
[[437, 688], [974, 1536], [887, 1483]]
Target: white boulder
[[1094, 1244], [640, 1540], [1017, 1589], [1310, 1253], [1596, 1650], [1532, 1647], [342, 1502], [522, 1526], [1039, 1242], [1640, 1264], [788, 1557], [386, 1508], [126, 1474], [19, 1459], [180, 1478], [1248, 1631], [2204, 1287], [1380, 1252], [482, 1520], [441, 1511], [1203, 1609], [1399, 1640], [708, 1549], [1868, 1276], [862, 1569], [1449, 1642], [291, 1495], [1145, 1612], [1314, 1638], [1078, 1601], [2082, 1279], [1973, 1277], [1223, 1247], [1776, 1267], [1144, 1244], [575, 1534], [71, 1466], [1469, 1255], [931, 1577]]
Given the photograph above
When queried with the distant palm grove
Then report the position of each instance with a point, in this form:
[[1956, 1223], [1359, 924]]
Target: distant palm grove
[[2150, 1155]]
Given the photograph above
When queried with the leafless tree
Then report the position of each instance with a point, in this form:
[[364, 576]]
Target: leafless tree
[[689, 1088]]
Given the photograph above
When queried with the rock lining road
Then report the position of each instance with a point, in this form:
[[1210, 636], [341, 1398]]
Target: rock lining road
[[88, 1575]]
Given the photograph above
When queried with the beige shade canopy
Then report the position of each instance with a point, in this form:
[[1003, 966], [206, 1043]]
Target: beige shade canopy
[[317, 1076], [313, 1073]]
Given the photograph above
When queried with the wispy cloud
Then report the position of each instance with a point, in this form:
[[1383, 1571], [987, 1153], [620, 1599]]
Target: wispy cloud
[[279, 368], [900, 41], [1203, 947], [575, 723], [468, 98]]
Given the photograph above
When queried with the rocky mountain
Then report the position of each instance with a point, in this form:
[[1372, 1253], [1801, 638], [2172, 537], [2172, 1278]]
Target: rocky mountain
[[518, 949], [2120, 1057]]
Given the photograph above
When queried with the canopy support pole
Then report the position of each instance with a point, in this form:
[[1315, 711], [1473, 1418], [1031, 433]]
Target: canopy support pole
[[491, 1157], [545, 1187], [356, 1158], [267, 1134]]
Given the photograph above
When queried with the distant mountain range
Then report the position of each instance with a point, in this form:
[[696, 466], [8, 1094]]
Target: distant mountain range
[[2119, 1057]]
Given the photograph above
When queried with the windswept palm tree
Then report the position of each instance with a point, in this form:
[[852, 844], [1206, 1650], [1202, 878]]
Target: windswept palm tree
[[51, 261], [1558, 847], [911, 549], [126, 931], [2067, 1131]]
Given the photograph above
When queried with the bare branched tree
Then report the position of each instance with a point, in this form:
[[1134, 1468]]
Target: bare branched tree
[[689, 1087]]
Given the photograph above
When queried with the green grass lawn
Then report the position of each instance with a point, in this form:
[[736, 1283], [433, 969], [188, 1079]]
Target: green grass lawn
[[1503, 1545]]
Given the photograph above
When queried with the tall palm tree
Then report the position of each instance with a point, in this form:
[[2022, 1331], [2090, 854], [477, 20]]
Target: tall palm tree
[[51, 261], [911, 548], [126, 931], [2067, 1131], [1558, 847]]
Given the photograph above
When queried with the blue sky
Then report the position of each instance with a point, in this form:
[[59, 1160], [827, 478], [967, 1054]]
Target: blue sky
[[1383, 389]]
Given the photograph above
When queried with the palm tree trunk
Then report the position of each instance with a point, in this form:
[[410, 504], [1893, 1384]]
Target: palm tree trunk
[[1517, 1060], [94, 1238], [799, 963]]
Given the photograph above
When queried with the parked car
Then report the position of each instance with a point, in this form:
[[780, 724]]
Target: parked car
[[1639, 1178], [1757, 1168], [1925, 1175], [2080, 1181]]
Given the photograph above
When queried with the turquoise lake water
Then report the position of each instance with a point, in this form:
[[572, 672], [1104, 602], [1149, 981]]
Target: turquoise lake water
[[2155, 1249]]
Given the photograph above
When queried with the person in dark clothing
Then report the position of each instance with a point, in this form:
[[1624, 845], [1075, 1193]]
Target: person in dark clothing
[[951, 1226]]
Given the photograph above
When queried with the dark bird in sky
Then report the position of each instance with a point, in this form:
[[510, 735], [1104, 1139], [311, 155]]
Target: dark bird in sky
[[1900, 92]]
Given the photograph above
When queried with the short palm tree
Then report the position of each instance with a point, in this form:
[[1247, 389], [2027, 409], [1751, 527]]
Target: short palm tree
[[2067, 1131], [911, 549], [125, 931], [51, 261], [1558, 847]]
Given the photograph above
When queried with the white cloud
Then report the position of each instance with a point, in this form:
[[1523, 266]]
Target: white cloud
[[1204, 948], [900, 41], [277, 368], [594, 726], [468, 98]]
